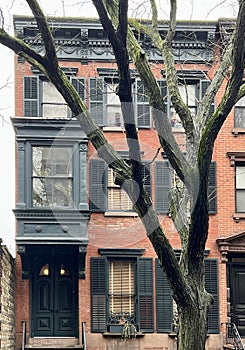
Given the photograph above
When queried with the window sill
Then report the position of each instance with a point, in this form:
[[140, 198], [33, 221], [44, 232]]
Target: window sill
[[238, 216], [237, 131], [177, 129], [114, 128], [121, 213], [118, 334]]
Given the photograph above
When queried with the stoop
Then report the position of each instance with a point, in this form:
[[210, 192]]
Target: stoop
[[53, 343]]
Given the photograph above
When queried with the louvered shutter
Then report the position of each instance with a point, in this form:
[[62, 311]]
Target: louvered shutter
[[98, 182], [162, 186], [79, 85], [164, 302], [146, 172], [143, 112], [212, 193], [164, 92], [211, 285], [31, 93], [98, 294], [96, 99], [204, 85], [145, 294]]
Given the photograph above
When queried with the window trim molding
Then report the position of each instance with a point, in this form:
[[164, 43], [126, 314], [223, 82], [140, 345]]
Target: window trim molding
[[236, 157], [124, 253]]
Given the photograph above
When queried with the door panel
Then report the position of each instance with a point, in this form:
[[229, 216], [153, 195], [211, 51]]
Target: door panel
[[238, 297], [54, 298]]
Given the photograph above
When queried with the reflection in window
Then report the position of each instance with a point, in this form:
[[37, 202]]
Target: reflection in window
[[52, 176], [113, 106], [44, 270], [63, 271], [53, 103], [240, 188], [240, 114]]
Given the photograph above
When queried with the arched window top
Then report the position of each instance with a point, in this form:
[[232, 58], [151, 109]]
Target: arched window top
[[45, 270]]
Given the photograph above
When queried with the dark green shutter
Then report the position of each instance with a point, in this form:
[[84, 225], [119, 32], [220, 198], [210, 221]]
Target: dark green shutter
[[146, 170], [211, 285], [164, 93], [31, 96], [204, 86], [79, 85], [143, 113], [96, 99], [145, 294], [98, 294], [98, 181], [162, 186], [164, 302], [212, 193]]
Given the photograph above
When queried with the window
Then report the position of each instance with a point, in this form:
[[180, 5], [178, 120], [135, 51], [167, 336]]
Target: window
[[191, 91], [51, 176], [105, 105], [122, 290], [127, 293], [113, 106], [118, 200], [105, 195], [53, 104], [239, 114], [42, 99], [240, 187]]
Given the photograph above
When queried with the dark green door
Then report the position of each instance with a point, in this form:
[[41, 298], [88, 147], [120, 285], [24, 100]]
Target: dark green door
[[238, 297], [54, 298]]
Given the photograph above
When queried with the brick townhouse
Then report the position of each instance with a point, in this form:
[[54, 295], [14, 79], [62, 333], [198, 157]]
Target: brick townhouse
[[84, 265]]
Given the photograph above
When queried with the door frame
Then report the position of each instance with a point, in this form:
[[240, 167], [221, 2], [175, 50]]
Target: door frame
[[70, 259], [233, 267]]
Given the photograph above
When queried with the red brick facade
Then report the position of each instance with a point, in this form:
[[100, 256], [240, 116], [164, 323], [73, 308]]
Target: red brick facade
[[123, 231]]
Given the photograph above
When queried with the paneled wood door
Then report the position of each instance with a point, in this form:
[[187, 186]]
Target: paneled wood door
[[54, 298]]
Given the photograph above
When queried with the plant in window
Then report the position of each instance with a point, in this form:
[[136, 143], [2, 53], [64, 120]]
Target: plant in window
[[129, 330]]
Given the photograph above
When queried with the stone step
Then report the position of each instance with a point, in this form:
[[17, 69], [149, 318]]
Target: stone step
[[53, 343]]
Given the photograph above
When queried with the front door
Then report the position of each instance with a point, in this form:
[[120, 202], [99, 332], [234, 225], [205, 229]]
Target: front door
[[238, 297], [54, 297]]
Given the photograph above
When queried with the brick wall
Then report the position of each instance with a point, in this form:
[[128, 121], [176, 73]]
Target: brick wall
[[7, 329]]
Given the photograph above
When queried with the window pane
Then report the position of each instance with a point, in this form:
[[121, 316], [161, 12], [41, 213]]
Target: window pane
[[121, 291], [240, 177], [113, 106], [52, 192], [53, 103], [44, 271], [188, 94], [240, 117], [51, 161], [118, 199], [52, 177], [240, 201]]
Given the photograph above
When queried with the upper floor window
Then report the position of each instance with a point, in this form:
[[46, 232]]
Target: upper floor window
[[52, 176], [42, 99], [191, 91], [239, 114], [240, 187], [105, 195], [105, 105]]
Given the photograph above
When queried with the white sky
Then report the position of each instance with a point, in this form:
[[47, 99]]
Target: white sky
[[187, 9]]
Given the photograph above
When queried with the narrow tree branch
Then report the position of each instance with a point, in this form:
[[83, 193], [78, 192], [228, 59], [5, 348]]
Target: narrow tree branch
[[45, 32]]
